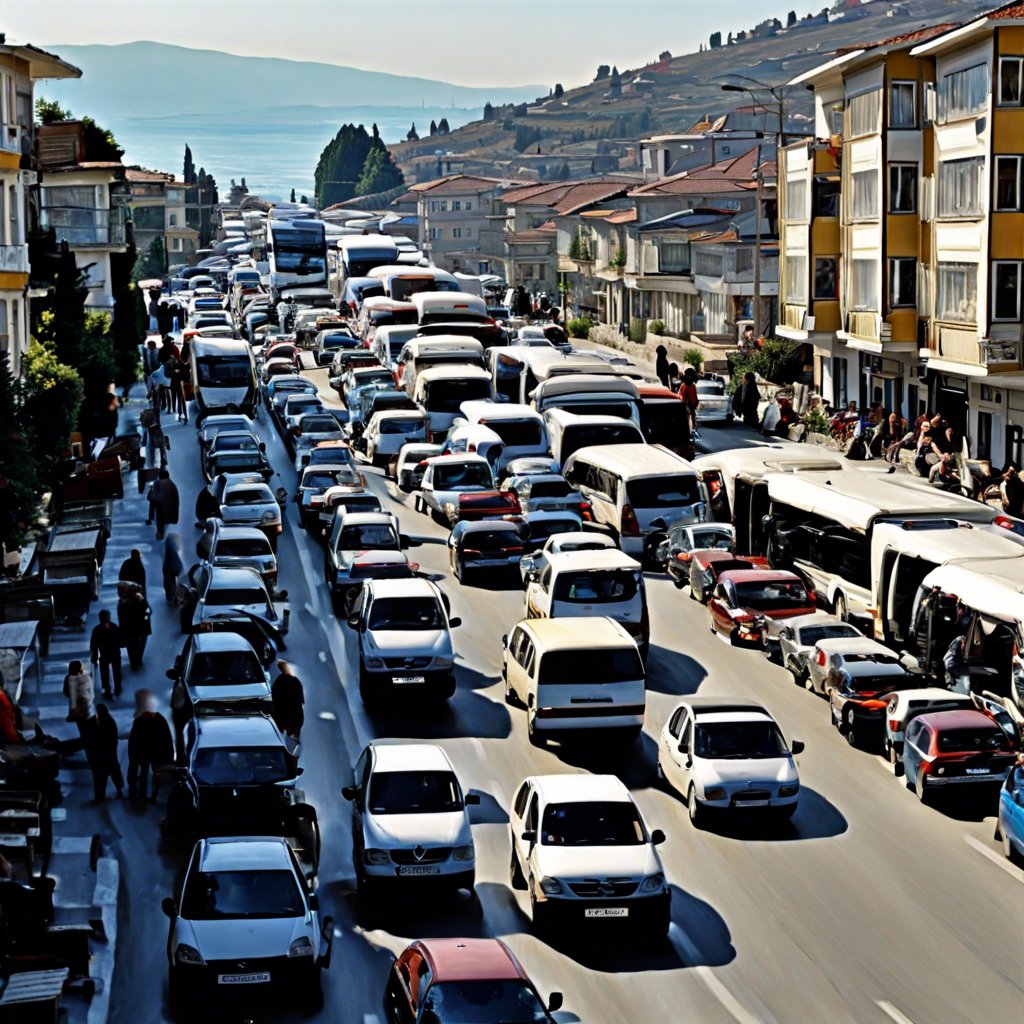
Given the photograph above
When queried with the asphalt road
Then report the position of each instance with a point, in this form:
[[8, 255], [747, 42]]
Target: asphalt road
[[871, 908]]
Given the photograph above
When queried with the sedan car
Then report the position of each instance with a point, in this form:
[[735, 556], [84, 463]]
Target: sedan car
[[905, 705], [1010, 816], [218, 673], [578, 540], [390, 430], [351, 534], [730, 756], [280, 389], [295, 407], [312, 429], [246, 920], [235, 451], [252, 504], [547, 492], [832, 655], [213, 425], [744, 598], [796, 638], [448, 476], [235, 547], [477, 506], [707, 565], [685, 538], [715, 403], [410, 825], [475, 546], [234, 600]]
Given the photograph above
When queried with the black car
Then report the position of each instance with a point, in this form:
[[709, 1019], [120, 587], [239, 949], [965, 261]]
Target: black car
[[328, 342], [235, 451], [493, 545]]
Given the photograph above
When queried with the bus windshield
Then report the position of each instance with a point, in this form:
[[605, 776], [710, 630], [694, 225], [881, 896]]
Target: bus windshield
[[223, 371]]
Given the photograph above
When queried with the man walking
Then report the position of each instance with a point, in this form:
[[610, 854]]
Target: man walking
[[102, 754], [287, 701], [133, 616], [105, 649], [133, 569], [78, 689], [149, 746], [163, 503]]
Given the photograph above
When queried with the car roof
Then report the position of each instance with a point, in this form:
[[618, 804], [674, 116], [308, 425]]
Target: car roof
[[456, 457], [702, 706], [470, 960], [581, 788], [361, 518], [237, 731], [611, 558], [226, 531], [415, 587], [397, 757], [635, 461], [966, 719], [758, 576], [488, 525], [931, 693], [816, 619], [557, 540], [376, 556], [220, 641], [854, 645], [234, 485], [242, 576], [577, 631], [249, 853]]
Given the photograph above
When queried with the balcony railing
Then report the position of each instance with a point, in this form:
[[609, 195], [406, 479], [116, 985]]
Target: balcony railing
[[14, 259], [85, 225]]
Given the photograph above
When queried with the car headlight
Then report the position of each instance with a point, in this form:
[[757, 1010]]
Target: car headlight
[[715, 793], [443, 661], [789, 790], [374, 663], [301, 947], [652, 883], [463, 853], [188, 954], [550, 886], [377, 857], [268, 517]]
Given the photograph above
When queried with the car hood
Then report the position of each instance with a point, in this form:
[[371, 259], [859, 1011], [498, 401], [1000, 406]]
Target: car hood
[[236, 940], [768, 769], [247, 513], [228, 693], [418, 829], [597, 861], [390, 643]]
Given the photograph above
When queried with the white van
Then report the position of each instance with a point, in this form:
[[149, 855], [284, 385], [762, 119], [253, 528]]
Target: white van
[[440, 390], [518, 369], [378, 311], [402, 282], [359, 254], [421, 353], [520, 428], [574, 674], [388, 342], [628, 485], [589, 395], [568, 432], [477, 439], [449, 307]]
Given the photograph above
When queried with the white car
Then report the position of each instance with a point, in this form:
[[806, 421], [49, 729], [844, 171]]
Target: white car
[[245, 920], [728, 755], [582, 851], [409, 818], [715, 403], [794, 639], [581, 540], [389, 430], [405, 641], [829, 658], [904, 705], [448, 476], [409, 465]]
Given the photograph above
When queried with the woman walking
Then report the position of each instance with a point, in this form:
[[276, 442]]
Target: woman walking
[[78, 688]]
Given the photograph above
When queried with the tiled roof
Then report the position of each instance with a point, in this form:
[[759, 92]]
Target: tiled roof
[[545, 233], [611, 216], [733, 175], [919, 35], [457, 184], [1006, 12], [530, 193], [567, 197], [141, 174]]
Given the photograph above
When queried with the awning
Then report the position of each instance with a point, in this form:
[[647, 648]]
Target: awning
[[567, 266]]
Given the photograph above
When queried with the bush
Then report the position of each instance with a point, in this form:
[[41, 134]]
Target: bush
[[579, 326], [658, 327], [817, 422], [693, 357], [779, 361], [638, 331]]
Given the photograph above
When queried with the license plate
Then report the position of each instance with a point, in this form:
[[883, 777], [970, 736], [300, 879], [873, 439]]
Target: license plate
[[407, 680], [258, 978], [740, 802], [418, 869], [977, 771], [606, 912]]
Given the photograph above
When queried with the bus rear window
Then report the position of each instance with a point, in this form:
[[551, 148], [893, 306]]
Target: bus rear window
[[676, 491]]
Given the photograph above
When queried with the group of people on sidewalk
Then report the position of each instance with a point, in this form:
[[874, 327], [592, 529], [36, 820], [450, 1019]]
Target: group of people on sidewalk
[[165, 371]]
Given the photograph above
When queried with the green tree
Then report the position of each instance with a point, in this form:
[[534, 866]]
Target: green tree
[[188, 174], [19, 484], [153, 262], [53, 395], [559, 90], [715, 40], [293, 195], [380, 173], [488, 112], [126, 333], [50, 111], [442, 126], [433, 128], [340, 165], [603, 71]]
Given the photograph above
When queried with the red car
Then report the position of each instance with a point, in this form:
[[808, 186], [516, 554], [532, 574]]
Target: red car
[[743, 598], [707, 564], [455, 980], [476, 505]]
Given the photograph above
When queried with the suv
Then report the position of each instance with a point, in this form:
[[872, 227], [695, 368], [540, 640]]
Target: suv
[[353, 533], [405, 643], [729, 755], [409, 818], [583, 853]]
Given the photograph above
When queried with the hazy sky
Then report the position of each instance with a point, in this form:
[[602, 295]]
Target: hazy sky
[[469, 42]]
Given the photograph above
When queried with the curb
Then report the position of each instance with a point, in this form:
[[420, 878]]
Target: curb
[[108, 876]]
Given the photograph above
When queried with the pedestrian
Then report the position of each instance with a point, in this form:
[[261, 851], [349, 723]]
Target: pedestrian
[[79, 691], [160, 388], [207, 507], [746, 400], [163, 503], [173, 566], [150, 363], [177, 374], [661, 365], [105, 649], [149, 747], [133, 569], [102, 753], [133, 616], [287, 699], [1011, 492], [675, 378]]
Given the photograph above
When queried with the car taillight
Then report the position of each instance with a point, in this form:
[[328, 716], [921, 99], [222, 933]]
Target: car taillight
[[894, 725], [821, 658], [471, 551], [683, 556], [628, 525], [926, 767], [515, 551], [586, 512]]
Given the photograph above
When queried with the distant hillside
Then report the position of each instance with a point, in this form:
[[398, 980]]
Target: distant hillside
[[152, 79], [591, 130]]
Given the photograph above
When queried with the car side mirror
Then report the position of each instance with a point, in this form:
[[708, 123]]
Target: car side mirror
[[657, 837], [263, 446], [170, 908], [455, 622], [353, 620], [555, 1001], [796, 747], [532, 576], [350, 792], [472, 799], [529, 836]]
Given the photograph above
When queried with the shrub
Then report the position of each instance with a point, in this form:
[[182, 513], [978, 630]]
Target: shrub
[[658, 327], [579, 326], [637, 331], [779, 361], [693, 357], [817, 422]]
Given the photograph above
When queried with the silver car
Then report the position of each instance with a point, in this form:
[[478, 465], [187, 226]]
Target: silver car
[[793, 640], [252, 504]]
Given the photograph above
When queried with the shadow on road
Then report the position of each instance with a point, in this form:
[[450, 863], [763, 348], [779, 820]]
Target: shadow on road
[[631, 762], [673, 673], [488, 812]]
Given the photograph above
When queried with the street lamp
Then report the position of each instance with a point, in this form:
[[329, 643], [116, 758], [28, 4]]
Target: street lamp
[[776, 94]]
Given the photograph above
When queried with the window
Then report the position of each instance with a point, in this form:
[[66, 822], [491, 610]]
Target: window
[[839, 381], [826, 197], [864, 284], [796, 199], [865, 113], [176, 245], [744, 260], [963, 93], [903, 104], [1010, 81], [1007, 183], [172, 220], [902, 188], [467, 205], [957, 287], [456, 205], [865, 195], [12, 206], [468, 232], [456, 232], [796, 279], [674, 257], [826, 278], [1006, 290], [902, 282], [709, 263], [960, 191]]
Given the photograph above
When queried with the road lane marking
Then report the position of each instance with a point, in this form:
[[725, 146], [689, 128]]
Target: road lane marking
[[998, 859], [892, 1013], [327, 716], [371, 1018], [691, 955]]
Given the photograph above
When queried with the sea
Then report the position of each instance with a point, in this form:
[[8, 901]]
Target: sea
[[273, 157]]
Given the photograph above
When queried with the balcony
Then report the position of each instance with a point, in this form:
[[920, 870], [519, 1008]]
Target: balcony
[[14, 259], [10, 138], [85, 226]]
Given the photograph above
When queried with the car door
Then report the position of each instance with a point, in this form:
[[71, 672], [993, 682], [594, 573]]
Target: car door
[[528, 826], [361, 780], [718, 609], [514, 662], [912, 752], [1011, 801], [538, 595], [671, 736]]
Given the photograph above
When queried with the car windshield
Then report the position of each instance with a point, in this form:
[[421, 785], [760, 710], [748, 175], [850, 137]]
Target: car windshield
[[318, 481], [298, 405], [335, 341], [242, 547], [235, 442], [462, 474], [963, 741], [670, 491], [319, 425], [250, 496], [492, 540], [738, 740], [597, 586], [405, 425], [406, 613], [250, 766], [595, 823], [480, 1002], [448, 395], [431, 792], [225, 667], [596, 666], [235, 596], [516, 433], [810, 635], [222, 895], [593, 434], [772, 594], [710, 389], [541, 529], [876, 684], [367, 536], [712, 539], [550, 489], [212, 430], [223, 371], [361, 503]]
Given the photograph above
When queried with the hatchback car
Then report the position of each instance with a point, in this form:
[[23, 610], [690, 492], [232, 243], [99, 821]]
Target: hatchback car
[[409, 819], [246, 920], [707, 565], [728, 756], [795, 639], [477, 546], [230, 442], [683, 539], [831, 655], [581, 850], [238, 547], [390, 430], [252, 504], [744, 598], [904, 706], [448, 476], [217, 673], [295, 407], [328, 342]]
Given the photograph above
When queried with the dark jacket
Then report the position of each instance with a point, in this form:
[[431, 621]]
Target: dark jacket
[[104, 740], [164, 495], [133, 570], [133, 616], [105, 641], [206, 506], [150, 740], [288, 699]]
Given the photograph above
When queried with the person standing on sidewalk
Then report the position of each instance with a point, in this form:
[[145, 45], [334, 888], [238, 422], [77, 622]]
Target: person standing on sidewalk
[[133, 616], [133, 569], [164, 503], [207, 507], [661, 365], [105, 649], [174, 566], [102, 753], [79, 691], [150, 362], [149, 746], [287, 700], [176, 372]]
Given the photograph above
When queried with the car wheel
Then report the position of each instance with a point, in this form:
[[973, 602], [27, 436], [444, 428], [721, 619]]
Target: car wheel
[[460, 569], [531, 729], [693, 806], [890, 752], [807, 681], [924, 793], [842, 608], [515, 872]]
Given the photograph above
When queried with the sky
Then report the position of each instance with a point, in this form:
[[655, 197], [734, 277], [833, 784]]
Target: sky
[[467, 42]]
